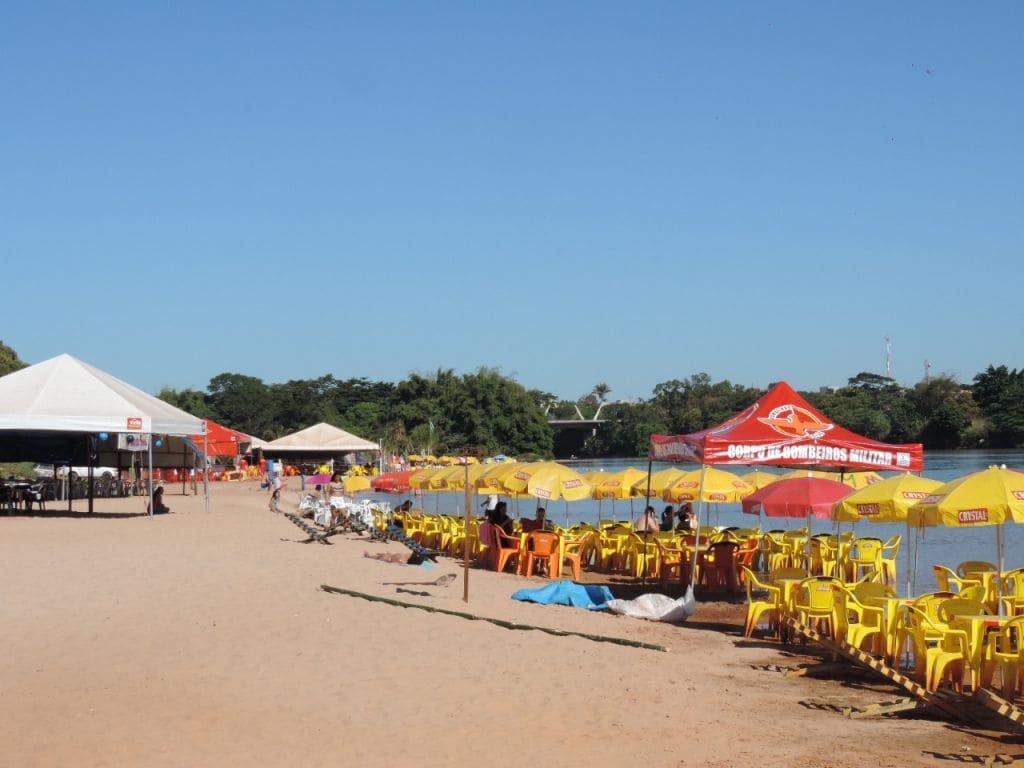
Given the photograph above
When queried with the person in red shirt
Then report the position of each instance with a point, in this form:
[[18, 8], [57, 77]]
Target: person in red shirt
[[538, 523]]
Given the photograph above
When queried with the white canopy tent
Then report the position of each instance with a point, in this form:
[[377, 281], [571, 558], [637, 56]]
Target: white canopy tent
[[320, 438], [65, 396], [319, 441]]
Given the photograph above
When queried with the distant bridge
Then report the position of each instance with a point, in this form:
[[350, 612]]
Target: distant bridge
[[580, 422]]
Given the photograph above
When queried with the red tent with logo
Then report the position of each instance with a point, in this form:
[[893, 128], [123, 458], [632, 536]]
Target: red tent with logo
[[782, 429], [221, 440]]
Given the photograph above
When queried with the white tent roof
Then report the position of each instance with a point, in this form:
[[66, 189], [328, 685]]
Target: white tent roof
[[64, 394], [255, 442], [320, 438]]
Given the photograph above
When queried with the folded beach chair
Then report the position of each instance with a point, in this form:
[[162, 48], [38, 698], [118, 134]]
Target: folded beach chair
[[356, 524], [314, 534], [394, 533]]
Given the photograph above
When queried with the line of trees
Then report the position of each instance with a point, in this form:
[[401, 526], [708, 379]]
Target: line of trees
[[444, 412]]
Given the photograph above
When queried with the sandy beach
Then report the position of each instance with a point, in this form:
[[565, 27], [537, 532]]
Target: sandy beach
[[196, 639]]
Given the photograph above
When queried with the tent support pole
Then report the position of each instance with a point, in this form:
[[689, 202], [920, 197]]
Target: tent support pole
[[150, 479], [696, 539], [206, 480]]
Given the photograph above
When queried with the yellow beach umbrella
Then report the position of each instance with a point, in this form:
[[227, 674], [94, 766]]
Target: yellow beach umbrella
[[354, 484], [491, 480], [615, 485], [660, 481], [758, 479], [989, 497], [517, 480], [475, 471], [445, 478], [712, 485], [558, 482], [886, 501], [420, 479]]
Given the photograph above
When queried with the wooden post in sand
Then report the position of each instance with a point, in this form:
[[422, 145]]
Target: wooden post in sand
[[466, 453]]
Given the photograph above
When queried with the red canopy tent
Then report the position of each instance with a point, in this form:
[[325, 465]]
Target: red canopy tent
[[784, 430], [221, 440]]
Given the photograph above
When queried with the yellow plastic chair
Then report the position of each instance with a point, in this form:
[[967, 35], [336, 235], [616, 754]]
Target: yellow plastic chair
[[431, 528], [825, 554], [818, 601], [757, 607], [1013, 592], [864, 555], [777, 554], [887, 558], [969, 567], [611, 553], [795, 542], [959, 606], [944, 651], [868, 589], [1006, 648], [864, 622], [947, 580], [642, 555]]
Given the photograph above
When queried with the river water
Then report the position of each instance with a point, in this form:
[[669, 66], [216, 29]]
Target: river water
[[946, 546]]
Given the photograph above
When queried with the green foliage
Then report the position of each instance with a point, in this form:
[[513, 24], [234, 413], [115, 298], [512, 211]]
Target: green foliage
[[999, 393], [696, 403], [22, 470], [494, 413], [9, 360], [189, 400]]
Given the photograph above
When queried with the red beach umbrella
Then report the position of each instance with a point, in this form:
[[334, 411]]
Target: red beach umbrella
[[393, 482], [797, 497]]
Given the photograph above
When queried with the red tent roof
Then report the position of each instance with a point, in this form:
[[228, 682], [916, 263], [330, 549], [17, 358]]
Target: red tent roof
[[222, 441], [782, 429]]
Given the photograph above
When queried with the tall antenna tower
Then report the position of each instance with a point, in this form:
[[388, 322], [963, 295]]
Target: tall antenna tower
[[888, 357], [927, 369]]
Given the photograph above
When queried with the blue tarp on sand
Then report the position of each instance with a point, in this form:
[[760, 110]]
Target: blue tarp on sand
[[567, 593]]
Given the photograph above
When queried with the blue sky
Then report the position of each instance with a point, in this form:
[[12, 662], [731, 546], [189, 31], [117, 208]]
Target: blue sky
[[572, 192]]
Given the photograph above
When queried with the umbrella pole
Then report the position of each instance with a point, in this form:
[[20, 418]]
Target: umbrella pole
[[999, 574], [696, 540], [909, 547], [808, 548]]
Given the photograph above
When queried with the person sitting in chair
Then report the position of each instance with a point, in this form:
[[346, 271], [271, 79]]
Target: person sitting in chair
[[648, 522], [159, 508], [668, 519], [500, 518], [685, 517], [538, 523]]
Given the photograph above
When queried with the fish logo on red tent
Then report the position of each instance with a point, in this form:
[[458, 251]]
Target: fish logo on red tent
[[793, 421]]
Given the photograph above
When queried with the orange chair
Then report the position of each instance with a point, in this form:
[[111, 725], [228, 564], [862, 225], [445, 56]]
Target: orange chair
[[746, 555], [576, 552], [506, 548], [671, 559], [718, 566], [541, 547]]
